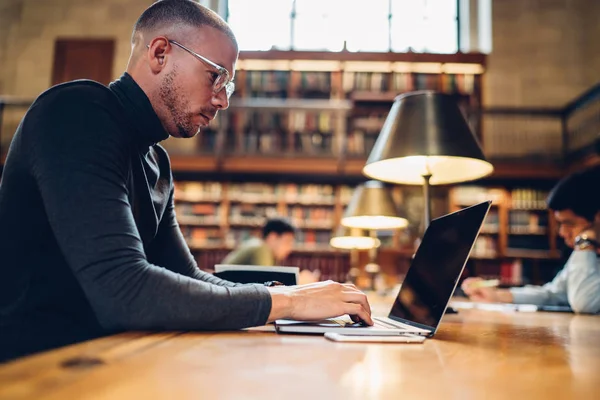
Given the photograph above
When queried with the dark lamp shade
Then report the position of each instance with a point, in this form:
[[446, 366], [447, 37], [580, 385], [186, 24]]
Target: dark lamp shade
[[353, 239], [425, 133], [372, 207]]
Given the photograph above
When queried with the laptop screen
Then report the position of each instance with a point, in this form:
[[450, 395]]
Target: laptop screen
[[437, 265]]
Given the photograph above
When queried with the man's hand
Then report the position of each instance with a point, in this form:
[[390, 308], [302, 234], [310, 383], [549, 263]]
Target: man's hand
[[319, 300], [485, 294]]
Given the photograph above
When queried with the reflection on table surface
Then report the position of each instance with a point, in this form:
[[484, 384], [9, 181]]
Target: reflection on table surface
[[476, 354]]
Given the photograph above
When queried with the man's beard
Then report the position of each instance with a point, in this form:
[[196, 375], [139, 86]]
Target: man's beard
[[176, 105]]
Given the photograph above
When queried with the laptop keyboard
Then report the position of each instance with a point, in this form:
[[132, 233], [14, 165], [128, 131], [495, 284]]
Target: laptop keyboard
[[377, 323], [387, 324]]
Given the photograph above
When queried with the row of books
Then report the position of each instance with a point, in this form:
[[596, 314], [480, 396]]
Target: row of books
[[519, 198], [521, 221], [257, 192], [511, 272], [316, 143], [267, 83], [236, 236], [405, 82], [469, 195], [300, 144], [253, 192], [271, 132], [485, 247], [520, 271], [528, 199], [346, 193], [491, 223], [251, 214], [308, 193], [198, 213], [319, 216], [313, 238], [315, 85], [522, 246], [199, 237], [198, 191], [364, 132], [205, 237], [265, 142], [294, 121], [360, 143], [334, 266], [276, 84]]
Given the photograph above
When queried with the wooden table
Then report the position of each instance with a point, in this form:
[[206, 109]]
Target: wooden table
[[475, 355]]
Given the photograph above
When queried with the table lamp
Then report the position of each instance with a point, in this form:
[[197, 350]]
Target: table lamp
[[426, 140], [353, 239], [372, 207]]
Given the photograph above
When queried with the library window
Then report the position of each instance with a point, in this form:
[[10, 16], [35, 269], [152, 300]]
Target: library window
[[426, 26]]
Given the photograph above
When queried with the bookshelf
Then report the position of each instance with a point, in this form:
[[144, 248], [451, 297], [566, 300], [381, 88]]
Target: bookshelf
[[216, 216], [220, 215], [519, 237], [518, 242], [302, 108]]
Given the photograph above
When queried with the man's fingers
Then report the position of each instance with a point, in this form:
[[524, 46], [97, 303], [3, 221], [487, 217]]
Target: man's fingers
[[353, 309], [350, 286], [468, 290], [358, 298], [467, 287]]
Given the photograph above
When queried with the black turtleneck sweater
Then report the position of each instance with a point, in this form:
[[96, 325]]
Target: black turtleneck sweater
[[89, 243]]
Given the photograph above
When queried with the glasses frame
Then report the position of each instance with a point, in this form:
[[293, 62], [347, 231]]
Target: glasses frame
[[223, 80]]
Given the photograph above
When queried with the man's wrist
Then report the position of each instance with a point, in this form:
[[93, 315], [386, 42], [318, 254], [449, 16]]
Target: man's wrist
[[504, 296], [586, 241], [281, 304], [589, 232]]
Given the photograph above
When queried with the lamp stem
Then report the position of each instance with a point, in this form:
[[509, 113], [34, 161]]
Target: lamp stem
[[354, 271], [427, 195], [372, 267], [373, 251]]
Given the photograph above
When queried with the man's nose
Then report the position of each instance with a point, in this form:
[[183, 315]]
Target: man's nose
[[562, 232], [220, 100]]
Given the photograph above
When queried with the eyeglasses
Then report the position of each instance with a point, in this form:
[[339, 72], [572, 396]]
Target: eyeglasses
[[223, 79]]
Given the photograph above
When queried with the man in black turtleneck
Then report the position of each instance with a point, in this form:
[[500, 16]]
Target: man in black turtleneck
[[89, 243]]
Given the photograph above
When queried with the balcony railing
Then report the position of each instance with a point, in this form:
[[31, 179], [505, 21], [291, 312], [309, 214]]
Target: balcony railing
[[562, 135]]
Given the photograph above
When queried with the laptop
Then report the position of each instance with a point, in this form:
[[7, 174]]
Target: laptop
[[429, 284]]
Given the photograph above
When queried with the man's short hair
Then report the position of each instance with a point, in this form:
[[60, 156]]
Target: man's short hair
[[185, 12], [577, 192], [278, 226]]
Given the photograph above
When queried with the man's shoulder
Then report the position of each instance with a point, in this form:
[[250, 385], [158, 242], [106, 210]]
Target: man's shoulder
[[246, 251], [254, 244], [83, 113], [71, 108], [76, 95]]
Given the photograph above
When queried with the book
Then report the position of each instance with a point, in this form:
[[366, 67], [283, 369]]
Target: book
[[258, 274]]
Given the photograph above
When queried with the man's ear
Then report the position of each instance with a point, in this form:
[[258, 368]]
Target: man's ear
[[271, 237], [157, 54]]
